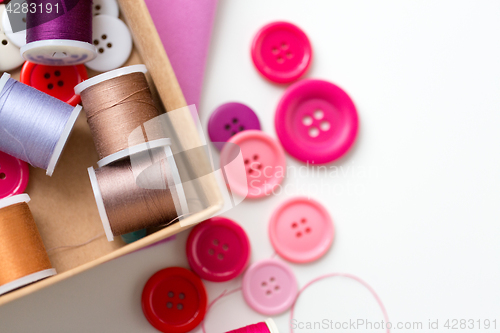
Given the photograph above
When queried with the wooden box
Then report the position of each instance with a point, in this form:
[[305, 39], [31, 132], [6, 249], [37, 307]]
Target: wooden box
[[63, 205]]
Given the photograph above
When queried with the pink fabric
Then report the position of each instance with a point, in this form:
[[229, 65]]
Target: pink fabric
[[185, 27]]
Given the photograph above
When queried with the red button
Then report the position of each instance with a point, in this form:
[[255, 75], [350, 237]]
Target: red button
[[281, 52], [174, 300], [56, 81], [14, 175]]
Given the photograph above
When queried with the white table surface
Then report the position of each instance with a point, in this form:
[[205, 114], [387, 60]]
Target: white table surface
[[415, 204]]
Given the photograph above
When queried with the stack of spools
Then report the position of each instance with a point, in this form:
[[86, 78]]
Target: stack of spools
[[137, 184]]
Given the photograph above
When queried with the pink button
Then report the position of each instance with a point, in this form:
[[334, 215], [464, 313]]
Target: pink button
[[281, 52], [218, 249], [269, 287], [265, 164], [316, 121], [14, 175], [301, 230]]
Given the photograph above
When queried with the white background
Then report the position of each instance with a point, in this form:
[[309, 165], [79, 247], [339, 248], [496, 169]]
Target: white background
[[421, 225]]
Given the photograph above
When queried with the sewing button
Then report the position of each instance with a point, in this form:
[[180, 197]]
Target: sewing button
[[17, 38], [301, 230], [269, 287], [218, 249], [56, 81], [14, 175], [105, 7], [316, 121], [174, 300], [281, 52], [229, 119], [10, 55], [264, 162], [113, 42]]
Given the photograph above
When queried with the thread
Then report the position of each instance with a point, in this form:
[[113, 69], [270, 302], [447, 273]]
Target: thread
[[346, 275], [23, 258], [115, 108], [255, 328], [34, 126], [137, 194], [61, 22]]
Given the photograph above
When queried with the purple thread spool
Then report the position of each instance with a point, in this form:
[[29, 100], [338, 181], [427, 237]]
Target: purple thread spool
[[60, 37], [263, 327]]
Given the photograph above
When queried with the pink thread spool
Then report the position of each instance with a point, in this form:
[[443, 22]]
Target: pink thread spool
[[263, 327]]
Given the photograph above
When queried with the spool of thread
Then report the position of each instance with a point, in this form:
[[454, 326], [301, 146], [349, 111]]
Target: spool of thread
[[59, 33], [34, 126], [138, 192], [23, 259], [120, 109], [263, 327]]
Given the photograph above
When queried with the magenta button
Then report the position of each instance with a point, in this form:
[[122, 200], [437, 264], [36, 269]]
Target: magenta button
[[230, 119], [301, 230], [281, 52], [269, 287], [316, 121], [218, 249], [14, 175]]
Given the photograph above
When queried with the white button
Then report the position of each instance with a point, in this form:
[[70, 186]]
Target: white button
[[113, 42], [10, 56], [18, 38], [105, 7]]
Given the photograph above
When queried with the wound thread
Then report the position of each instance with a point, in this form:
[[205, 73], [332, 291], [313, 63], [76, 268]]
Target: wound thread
[[63, 22], [22, 252], [33, 125], [115, 108]]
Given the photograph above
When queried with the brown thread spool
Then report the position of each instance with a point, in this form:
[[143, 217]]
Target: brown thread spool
[[138, 192], [23, 259], [117, 103]]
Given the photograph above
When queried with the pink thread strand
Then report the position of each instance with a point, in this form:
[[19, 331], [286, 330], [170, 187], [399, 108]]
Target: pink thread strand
[[350, 276], [225, 293]]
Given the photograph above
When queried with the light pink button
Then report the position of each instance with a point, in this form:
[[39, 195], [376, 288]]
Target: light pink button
[[14, 175], [301, 230], [269, 287], [264, 162], [281, 52]]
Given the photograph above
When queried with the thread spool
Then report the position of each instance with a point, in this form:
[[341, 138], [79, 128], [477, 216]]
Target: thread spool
[[34, 126], [120, 109], [138, 192], [23, 259], [263, 327], [60, 37]]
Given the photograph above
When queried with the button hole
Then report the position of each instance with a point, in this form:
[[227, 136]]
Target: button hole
[[180, 306], [182, 296], [228, 127], [272, 279], [275, 50], [101, 50], [169, 305], [60, 83], [225, 247], [104, 36], [97, 7], [259, 166], [277, 288], [280, 60], [96, 42], [250, 170], [211, 252], [263, 284], [255, 157], [170, 294], [308, 230], [2, 175], [268, 293], [5, 42], [57, 73], [318, 114], [215, 242], [242, 128], [303, 220], [313, 132], [284, 45], [299, 234], [325, 126], [110, 45], [46, 75], [233, 132], [307, 121], [220, 256], [235, 120], [294, 225], [50, 86], [247, 161], [289, 55]]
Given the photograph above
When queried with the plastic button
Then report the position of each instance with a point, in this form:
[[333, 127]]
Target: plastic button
[[218, 249], [316, 121], [113, 42], [229, 119], [281, 52], [269, 287], [56, 81], [14, 175], [17, 38], [301, 230], [105, 7], [10, 54], [174, 300], [265, 164]]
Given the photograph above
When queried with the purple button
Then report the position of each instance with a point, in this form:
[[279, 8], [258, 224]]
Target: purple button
[[218, 249], [229, 119], [14, 175], [269, 287]]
